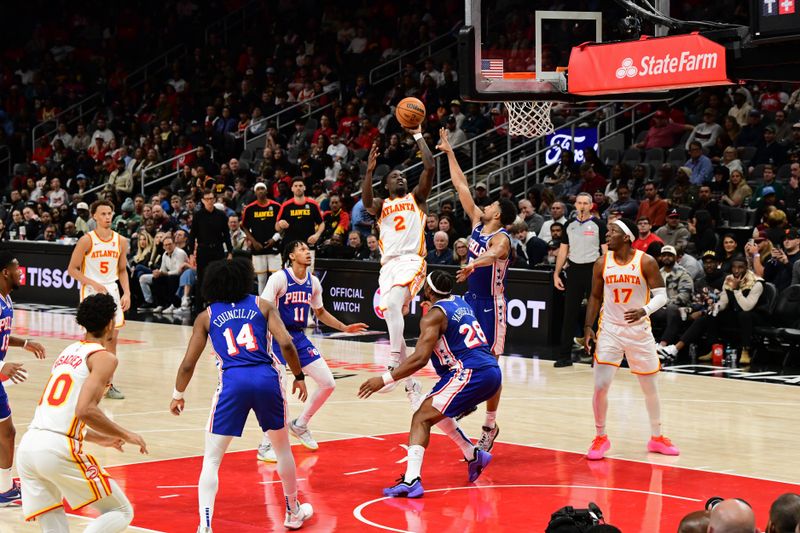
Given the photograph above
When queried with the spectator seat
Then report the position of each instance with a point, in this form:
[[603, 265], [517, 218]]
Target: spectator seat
[[654, 156], [782, 334]]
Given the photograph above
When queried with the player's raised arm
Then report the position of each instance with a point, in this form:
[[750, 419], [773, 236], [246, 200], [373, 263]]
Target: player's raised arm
[[101, 371], [193, 352], [593, 307], [82, 248], [432, 326], [458, 179], [284, 340], [371, 204], [655, 283], [423, 188]]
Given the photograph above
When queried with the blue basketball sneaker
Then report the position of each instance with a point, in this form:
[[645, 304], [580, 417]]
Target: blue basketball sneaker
[[478, 464], [12, 497], [405, 490]]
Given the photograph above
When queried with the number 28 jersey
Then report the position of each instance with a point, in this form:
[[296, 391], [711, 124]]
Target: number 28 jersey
[[402, 228], [463, 344]]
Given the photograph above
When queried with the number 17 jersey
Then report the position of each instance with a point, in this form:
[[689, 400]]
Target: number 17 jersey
[[624, 289]]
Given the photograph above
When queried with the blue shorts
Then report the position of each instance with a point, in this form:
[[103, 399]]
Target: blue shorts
[[458, 392], [308, 352], [245, 388], [5, 407], [491, 314]]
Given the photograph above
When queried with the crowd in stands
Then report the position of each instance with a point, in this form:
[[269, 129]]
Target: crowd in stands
[[713, 184]]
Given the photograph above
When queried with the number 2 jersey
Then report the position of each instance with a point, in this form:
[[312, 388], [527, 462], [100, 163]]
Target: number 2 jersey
[[463, 344], [295, 300], [402, 228]]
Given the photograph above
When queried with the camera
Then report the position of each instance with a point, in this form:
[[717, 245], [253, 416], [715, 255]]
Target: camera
[[571, 520]]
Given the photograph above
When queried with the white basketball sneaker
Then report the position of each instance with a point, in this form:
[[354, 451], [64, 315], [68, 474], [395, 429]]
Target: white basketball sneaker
[[295, 520], [414, 393], [266, 453], [304, 435]]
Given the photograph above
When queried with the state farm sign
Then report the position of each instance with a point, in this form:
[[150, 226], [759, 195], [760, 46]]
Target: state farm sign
[[650, 64]]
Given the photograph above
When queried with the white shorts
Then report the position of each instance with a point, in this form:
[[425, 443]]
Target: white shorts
[[403, 271], [266, 263], [113, 290], [52, 466], [634, 342]]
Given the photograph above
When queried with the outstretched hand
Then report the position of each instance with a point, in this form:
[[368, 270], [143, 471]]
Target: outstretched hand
[[464, 272], [370, 386], [372, 160], [444, 142], [355, 328]]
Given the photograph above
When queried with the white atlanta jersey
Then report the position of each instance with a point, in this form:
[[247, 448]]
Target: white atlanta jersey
[[101, 262], [402, 228], [625, 289], [56, 409]]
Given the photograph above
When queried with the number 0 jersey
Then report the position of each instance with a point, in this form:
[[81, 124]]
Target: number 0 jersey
[[463, 344], [239, 333], [624, 289], [56, 409], [402, 228], [100, 263]]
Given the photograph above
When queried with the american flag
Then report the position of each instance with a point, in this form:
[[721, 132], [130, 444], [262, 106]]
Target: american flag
[[492, 68]]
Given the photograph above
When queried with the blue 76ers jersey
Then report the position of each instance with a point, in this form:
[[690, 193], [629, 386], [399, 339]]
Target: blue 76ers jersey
[[488, 281], [239, 333], [295, 304], [6, 316], [463, 344]]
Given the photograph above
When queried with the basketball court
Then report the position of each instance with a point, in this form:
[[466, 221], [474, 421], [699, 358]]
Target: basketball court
[[737, 439]]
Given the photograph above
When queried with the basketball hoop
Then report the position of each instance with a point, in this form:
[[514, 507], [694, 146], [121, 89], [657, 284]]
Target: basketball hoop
[[529, 118]]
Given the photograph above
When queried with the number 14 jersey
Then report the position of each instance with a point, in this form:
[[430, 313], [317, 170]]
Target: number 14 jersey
[[463, 344]]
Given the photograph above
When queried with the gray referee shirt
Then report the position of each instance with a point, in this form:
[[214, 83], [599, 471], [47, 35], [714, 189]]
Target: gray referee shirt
[[584, 239]]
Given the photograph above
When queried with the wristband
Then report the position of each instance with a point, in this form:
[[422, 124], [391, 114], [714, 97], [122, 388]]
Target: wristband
[[25, 344], [417, 136], [276, 237], [756, 255], [177, 395], [387, 378], [300, 377]]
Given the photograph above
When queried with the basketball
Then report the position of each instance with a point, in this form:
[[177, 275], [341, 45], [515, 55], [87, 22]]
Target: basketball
[[410, 112]]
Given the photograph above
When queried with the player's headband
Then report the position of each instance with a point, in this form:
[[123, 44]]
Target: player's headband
[[625, 229], [434, 289]]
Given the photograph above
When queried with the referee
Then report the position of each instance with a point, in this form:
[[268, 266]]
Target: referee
[[213, 241], [258, 223], [583, 242]]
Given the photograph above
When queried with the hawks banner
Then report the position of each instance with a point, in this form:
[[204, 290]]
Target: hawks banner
[[649, 64]]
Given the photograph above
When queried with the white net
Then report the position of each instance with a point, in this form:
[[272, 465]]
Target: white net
[[529, 118]]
